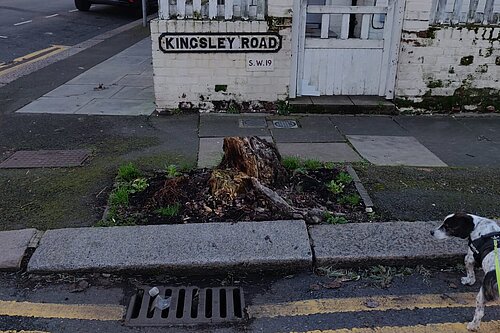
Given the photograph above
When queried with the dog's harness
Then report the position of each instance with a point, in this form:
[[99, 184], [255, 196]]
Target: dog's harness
[[482, 246]]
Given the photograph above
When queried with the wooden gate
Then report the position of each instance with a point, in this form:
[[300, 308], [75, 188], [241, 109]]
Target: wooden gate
[[336, 57]]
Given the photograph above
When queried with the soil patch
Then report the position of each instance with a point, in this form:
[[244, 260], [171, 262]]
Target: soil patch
[[188, 199]]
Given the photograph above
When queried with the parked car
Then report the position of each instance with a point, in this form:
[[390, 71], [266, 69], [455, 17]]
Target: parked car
[[84, 5]]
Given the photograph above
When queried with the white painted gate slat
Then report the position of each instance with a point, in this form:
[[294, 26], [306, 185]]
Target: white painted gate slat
[[330, 73], [323, 64], [365, 26], [212, 9], [325, 25], [344, 32], [163, 9], [181, 8]]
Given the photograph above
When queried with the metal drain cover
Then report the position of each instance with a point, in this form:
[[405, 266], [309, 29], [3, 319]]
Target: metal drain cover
[[285, 123], [188, 305], [45, 158], [253, 123]]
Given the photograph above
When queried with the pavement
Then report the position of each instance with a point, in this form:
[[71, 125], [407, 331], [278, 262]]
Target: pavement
[[115, 80]]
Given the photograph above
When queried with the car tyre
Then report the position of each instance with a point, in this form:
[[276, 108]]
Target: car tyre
[[82, 5]]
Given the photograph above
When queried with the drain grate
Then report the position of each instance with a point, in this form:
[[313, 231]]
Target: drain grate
[[253, 123], [45, 159], [188, 305], [285, 123]]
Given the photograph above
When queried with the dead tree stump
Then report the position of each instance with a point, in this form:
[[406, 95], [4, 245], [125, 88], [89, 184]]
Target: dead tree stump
[[254, 157]]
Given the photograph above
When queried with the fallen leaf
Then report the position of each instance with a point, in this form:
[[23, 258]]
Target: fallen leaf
[[332, 284], [315, 286], [372, 304]]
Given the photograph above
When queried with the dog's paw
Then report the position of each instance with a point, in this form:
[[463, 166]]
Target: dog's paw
[[472, 326], [467, 281]]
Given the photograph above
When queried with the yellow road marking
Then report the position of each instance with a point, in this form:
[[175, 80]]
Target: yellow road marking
[[491, 326], [30, 58], [355, 304], [64, 311], [14, 331]]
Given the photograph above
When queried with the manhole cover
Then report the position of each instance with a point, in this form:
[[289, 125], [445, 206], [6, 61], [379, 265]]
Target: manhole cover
[[285, 123], [253, 123], [188, 305], [45, 159]]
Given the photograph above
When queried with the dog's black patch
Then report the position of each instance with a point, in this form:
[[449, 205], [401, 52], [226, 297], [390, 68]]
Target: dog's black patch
[[490, 288], [458, 225]]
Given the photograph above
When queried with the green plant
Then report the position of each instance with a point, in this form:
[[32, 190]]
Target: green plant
[[329, 165], [115, 222], [119, 197], [312, 164], [335, 187], [344, 178], [172, 171], [334, 219], [351, 199], [291, 162], [138, 185], [284, 108], [128, 172], [169, 211], [232, 109]]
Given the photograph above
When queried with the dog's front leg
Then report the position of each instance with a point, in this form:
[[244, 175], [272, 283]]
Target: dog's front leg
[[470, 279], [479, 313]]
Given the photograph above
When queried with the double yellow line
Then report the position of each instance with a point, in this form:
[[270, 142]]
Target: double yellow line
[[30, 58]]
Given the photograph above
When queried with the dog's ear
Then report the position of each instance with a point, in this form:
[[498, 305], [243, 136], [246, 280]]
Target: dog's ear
[[459, 225]]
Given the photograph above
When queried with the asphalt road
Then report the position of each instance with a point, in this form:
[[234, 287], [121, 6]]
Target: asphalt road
[[27, 26], [382, 300]]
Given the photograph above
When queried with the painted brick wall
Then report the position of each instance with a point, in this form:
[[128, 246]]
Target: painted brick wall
[[181, 79], [438, 60]]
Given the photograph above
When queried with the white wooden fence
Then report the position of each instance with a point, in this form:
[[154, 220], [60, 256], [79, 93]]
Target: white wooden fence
[[484, 12], [212, 9]]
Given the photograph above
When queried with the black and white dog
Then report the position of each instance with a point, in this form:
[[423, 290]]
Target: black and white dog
[[480, 231]]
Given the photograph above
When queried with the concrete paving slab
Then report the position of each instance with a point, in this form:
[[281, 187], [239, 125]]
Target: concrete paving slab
[[61, 105], [325, 152], [121, 107], [391, 243], [177, 249], [13, 245], [303, 100], [143, 81], [394, 150], [312, 129], [210, 152], [485, 129], [221, 126], [368, 125], [449, 139], [370, 101], [85, 91], [146, 93], [105, 75]]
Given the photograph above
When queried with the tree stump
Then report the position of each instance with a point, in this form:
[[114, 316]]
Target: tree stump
[[254, 157]]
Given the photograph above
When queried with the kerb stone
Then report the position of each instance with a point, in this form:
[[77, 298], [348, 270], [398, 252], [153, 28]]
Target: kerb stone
[[390, 243], [176, 249], [13, 245]]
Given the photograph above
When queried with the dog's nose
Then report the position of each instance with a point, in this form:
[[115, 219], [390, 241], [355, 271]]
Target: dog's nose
[[432, 232]]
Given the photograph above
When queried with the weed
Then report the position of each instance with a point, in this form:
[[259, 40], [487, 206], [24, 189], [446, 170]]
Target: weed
[[383, 275], [343, 275], [128, 172], [232, 109], [351, 200], [169, 211], [172, 171], [312, 164], [120, 197], [138, 185], [291, 162], [344, 178], [115, 222], [335, 187], [334, 219], [329, 165], [284, 108]]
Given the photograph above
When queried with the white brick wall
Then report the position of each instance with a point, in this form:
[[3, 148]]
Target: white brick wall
[[182, 77], [428, 57]]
